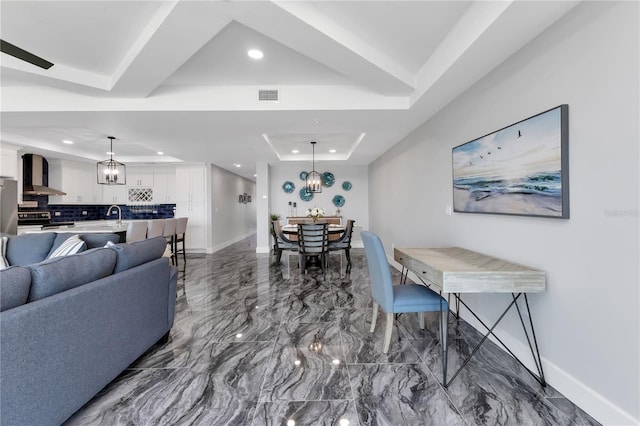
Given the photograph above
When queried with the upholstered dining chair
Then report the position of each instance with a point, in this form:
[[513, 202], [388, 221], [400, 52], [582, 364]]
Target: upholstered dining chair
[[344, 243], [136, 231], [282, 243], [155, 228], [313, 239], [399, 298], [169, 233], [181, 231]]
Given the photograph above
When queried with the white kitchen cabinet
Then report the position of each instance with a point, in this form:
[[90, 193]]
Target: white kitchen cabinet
[[191, 202], [142, 177], [8, 162], [190, 185], [196, 237], [78, 180], [164, 186], [114, 194]]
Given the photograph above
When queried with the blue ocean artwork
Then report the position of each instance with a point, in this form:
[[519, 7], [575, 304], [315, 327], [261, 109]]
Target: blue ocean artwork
[[549, 184], [516, 170]]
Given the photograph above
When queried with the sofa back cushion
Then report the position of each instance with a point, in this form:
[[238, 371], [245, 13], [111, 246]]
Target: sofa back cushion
[[14, 287], [134, 254], [27, 249], [59, 274], [91, 240]]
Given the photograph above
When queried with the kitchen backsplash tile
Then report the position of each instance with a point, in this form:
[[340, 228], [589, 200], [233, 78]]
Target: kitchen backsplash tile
[[79, 213]]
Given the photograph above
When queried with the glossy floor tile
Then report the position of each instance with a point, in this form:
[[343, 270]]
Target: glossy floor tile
[[261, 344]]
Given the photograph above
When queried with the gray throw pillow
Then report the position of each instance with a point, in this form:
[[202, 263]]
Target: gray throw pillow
[[99, 240], [59, 274], [14, 287], [134, 254], [92, 240]]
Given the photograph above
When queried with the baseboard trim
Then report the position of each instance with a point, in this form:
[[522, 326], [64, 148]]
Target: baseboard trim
[[226, 244], [590, 401]]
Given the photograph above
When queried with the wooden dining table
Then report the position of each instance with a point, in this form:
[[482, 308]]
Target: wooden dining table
[[335, 231]]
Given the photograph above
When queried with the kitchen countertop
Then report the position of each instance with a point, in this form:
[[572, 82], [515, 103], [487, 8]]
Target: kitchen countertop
[[87, 227]]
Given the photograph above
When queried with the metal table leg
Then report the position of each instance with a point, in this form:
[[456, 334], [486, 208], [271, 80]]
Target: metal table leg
[[533, 347]]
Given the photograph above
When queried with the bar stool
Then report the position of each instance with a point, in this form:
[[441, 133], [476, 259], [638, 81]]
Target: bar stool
[[136, 231], [181, 230], [155, 228], [169, 234]]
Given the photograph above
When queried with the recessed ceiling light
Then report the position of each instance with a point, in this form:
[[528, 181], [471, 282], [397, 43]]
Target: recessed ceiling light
[[160, 153], [294, 151], [332, 151], [255, 54], [68, 142], [255, 175], [238, 165]]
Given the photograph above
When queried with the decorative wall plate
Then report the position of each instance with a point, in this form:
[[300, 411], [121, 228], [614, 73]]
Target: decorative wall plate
[[346, 185], [338, 201], [328, 179], [288, 187], [304, 195], [303, 175]]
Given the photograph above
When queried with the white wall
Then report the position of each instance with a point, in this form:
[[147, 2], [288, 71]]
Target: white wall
[[231, 221], [587, 321], [356, 200]]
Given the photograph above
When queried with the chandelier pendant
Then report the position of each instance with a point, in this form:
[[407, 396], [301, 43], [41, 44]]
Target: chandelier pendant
[[314, 179], [111, 172]]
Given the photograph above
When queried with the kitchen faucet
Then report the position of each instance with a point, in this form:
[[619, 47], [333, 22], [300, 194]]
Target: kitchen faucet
[[119, 222]]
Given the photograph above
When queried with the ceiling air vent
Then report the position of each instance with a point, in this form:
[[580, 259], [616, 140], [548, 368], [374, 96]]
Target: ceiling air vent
[[268, 95]]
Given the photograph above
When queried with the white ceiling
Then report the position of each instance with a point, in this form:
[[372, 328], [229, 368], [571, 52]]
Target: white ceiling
[[356, 76]]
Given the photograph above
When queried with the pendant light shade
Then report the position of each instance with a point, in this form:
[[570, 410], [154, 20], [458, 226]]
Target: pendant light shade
[[111, 172], [314, 180]]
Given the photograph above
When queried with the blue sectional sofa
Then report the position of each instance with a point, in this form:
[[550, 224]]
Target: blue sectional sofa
[[70, 325]]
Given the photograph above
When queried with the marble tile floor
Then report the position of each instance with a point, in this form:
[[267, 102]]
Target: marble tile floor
[[259, 344]]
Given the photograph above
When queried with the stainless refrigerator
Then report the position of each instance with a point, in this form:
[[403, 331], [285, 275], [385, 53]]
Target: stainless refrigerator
[[8, 206]]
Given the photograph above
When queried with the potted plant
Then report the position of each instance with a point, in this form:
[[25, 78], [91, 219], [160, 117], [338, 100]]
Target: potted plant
[[272, 217]]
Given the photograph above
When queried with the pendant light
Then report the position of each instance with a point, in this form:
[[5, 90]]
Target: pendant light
[[111, 172], [314, 180]]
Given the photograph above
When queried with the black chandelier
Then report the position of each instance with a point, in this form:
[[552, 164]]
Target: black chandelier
[[111, 172], [314, 180]]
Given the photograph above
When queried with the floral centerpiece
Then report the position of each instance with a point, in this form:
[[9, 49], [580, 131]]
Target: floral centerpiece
[[315, 213]]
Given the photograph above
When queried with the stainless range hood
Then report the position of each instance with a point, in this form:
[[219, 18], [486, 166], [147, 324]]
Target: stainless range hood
[[35, 173]]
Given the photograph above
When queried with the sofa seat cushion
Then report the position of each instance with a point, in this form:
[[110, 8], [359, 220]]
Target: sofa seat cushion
[[14, 287], [59, 274], [134, 254], [27, 249], [71, 245], [91, 240]]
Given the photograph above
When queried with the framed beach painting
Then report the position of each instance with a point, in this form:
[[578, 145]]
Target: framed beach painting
[[522, 169]]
